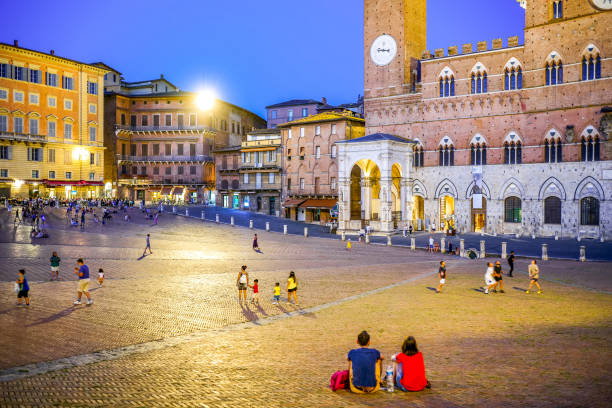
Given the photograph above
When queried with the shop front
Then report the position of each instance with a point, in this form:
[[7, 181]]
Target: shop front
[[291, 208], [317, 210]]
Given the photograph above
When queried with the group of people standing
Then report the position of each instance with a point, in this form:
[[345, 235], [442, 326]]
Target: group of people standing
[[22, 286], [242, 283]]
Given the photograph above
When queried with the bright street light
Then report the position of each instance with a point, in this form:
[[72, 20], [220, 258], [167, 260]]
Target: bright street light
[[205, 100]]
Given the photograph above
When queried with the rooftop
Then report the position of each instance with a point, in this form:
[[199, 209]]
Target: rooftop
[[325, 117], [376, 137], [295, 102]]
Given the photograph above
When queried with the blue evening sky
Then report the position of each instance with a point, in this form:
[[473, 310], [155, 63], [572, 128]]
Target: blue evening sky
[[252, 53]]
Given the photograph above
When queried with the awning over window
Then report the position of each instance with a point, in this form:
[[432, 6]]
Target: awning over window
[[291, 203], [166, 190], [178, 191], [319, 203], [53, 183]]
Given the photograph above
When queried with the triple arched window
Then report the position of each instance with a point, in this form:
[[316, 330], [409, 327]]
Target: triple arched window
[[447, 83], [478, 154], [513, 78], [554, 70], [446, 153], [591, 63], [589, 148], [513, 150], [479, 79], [553, 148]]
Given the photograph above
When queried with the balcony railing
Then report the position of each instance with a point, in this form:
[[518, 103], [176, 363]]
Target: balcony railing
[[154, 128], [201, 158], [25, 137], [258, 166]]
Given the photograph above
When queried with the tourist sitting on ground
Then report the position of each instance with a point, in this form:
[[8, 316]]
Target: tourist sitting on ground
[[365, 366], [74, 222], [409, 368]]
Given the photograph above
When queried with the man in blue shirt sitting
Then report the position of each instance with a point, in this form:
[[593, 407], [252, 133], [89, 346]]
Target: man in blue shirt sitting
[[365, 366]]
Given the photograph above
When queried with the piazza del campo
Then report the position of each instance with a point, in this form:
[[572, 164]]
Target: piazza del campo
[[442, 240]]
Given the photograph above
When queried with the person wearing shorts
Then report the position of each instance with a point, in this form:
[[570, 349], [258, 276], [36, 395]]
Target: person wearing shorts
[[292, 288], [24, 288], [534, 275], [277, 293], [497, 275], [442, 276], [242, 282], [82, 271], [431, 244], [55, 262]]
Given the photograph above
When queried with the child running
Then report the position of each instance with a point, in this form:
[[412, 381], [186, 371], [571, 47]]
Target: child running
[[24, 288], [55, 262], [100, 276], [276, 293], [442, 275], [534, 275], [348, 245], [255, 287]]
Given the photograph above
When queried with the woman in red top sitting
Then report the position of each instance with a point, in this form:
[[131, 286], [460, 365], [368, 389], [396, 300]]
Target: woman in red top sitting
[[409, 368]]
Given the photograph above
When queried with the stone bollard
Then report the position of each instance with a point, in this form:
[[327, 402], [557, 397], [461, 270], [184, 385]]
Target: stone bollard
[[556, 235], [186, 212], [173, 210], [443, 245], [504, 250], [343, 236], [389, 240], [251, 224], [285, 229], [217, 218], [545, 252], [305, 232], [482, 248], [267, 225], [232, 220], [462, 248], [367, 238], [202, 215], [412, 243], [582, 253]]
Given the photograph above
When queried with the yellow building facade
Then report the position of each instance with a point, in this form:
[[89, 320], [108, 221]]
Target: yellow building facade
[[51, 125]]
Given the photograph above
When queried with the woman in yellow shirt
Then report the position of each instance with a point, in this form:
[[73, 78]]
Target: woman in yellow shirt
[[292, 288]]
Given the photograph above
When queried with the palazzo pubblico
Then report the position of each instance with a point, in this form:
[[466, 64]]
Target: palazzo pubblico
[[490, 137]]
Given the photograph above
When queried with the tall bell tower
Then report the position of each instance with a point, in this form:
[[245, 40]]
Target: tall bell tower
[[395, 37]]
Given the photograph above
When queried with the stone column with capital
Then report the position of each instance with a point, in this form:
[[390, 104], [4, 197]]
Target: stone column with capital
[[406, 199], [344, 203], [386, 217], [366, 198]]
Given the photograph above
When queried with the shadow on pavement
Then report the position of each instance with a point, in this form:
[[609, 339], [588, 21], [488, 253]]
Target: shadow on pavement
[[66, 312], [249, 314], [430, 288], [519, 289], [480, 290]]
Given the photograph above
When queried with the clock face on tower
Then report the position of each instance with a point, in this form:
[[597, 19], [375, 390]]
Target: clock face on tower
[[602, 4], [383, 50]]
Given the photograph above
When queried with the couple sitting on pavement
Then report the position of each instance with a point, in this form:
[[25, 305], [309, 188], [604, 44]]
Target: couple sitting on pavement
[[365, 367]]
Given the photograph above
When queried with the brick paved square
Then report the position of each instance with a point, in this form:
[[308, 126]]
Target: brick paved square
[[167, 330]]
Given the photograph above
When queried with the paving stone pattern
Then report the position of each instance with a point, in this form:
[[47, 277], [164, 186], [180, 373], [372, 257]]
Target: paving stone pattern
[[507, 349]]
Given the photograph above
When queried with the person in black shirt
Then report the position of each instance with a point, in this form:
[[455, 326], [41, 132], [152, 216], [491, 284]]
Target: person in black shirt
[[497, 275], [511, 263], [442, 275]]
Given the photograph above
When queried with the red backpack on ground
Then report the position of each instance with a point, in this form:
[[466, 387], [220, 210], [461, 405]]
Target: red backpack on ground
[[339, 380]]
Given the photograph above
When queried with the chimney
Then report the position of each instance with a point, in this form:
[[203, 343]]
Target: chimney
[[324, 100], [16, 43], [52, 52]]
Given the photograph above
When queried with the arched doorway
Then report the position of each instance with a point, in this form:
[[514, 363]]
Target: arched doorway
[[396, 194], [447, 213], [258, 204], [479, 214], [418, 213]]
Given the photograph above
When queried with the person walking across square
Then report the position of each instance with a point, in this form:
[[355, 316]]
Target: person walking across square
[[511, 263], [534, 276], [148, 245], [55, 263], [82, 271], [442, 276], [497, 275], [24, 288], [276, 293]]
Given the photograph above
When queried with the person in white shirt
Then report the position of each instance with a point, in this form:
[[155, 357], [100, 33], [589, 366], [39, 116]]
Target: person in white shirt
[[489, 280], [431, 244]]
